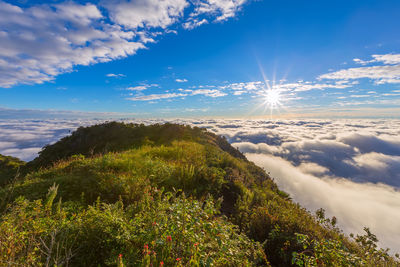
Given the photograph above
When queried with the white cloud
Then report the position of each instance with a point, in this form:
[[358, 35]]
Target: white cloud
[[385, 59], [181, 80], [208, 92], [191, 24], [113, 75], [42, 41], [354, 204], [145, 13], [25, 138], [222, 8], [22, 153], [351, 168], [245, 86], [155, 97], [137, 88], [301, 86], [388, 58], [312, 168], [185, 92], [381, 74], [239, 92], [259, 87], [359, 96]]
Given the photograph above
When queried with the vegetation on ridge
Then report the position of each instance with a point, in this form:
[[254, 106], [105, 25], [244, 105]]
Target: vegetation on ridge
[[162, 195], [9, 169]]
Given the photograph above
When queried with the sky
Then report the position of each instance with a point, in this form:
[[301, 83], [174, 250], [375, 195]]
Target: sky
[[308, 90], [200, 58]]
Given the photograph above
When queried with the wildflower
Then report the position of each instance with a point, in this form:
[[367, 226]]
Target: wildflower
[[196, 244], [178, 259], [161, 263], [120, 262], [169, 238], [154, 223], [146, 249]]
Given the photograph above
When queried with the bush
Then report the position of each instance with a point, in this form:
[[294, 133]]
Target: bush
[[162, 227], [9, 169]]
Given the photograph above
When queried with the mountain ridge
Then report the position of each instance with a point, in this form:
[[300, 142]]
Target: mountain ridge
[[109, 166]]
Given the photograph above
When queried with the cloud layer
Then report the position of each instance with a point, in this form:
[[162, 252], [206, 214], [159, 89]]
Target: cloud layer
[[25, 138], [351, 168]]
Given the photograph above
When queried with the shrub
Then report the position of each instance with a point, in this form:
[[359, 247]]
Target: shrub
[[161, 227]]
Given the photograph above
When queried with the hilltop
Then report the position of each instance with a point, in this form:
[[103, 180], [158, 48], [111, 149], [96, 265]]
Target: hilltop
[[119, 194]]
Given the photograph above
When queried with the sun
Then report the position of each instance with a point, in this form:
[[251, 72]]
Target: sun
[[272, 98]]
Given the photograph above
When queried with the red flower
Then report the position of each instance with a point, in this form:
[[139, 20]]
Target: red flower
[[146, 249], [161, 263], [178, 259], [169, 238], [196, 244], [120, 256], [154, 223]]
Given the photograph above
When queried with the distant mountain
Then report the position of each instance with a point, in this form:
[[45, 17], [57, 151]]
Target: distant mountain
[[119, 194]]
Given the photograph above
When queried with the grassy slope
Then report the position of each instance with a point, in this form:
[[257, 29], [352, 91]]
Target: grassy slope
[[140, 175], [9, 168]]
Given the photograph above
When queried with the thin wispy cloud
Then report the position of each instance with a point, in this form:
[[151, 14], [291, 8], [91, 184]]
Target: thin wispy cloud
[[156, 97], [113, 75], [387, 73], [208, 92], [137, 88], [385, 59]]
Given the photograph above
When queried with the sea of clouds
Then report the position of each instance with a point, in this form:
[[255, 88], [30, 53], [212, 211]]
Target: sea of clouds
[[351, 168]]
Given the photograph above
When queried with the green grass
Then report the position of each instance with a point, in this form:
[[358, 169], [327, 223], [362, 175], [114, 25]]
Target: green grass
[[126, 189], [9, 169]]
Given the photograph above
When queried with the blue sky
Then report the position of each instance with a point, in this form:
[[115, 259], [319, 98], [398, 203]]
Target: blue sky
[[208, 58]]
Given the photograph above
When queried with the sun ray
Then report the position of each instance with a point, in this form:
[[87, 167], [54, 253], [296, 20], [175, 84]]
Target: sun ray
[[270, 97]]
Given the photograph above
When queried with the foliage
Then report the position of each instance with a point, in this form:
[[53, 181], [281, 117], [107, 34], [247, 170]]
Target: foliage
[[115, 136], [135, 195], [9, 169], [328, 252], [324, 253], [33, 233], [162, 227]]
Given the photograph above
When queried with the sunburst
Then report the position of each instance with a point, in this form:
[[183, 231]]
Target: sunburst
[[272, 98]]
